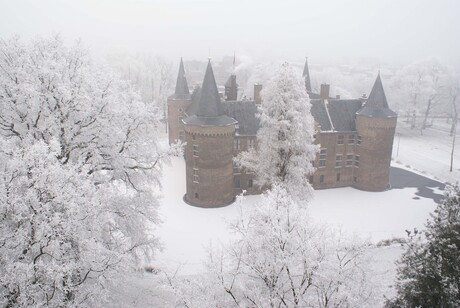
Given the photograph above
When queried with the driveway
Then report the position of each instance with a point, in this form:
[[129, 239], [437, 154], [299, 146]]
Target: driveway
[[426, 187]]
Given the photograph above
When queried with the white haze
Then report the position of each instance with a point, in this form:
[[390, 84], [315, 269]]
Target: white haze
[[380, 31]]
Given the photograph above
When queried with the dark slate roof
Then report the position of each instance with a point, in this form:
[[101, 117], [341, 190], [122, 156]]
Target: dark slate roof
[[245, 113], [222, 120], [209, 99], [319, 113], [193, 107], [341, 112], [231, 81], [181, 83], [377, 105], [306, 75], [313, 95]]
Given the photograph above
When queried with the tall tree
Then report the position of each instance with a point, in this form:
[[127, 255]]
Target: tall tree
[[429, 270], [285, 148], [79, 164]]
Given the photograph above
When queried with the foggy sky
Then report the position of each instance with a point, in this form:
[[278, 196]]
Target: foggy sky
[[386, 31]]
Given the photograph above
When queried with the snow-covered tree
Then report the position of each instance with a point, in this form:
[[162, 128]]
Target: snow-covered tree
[[429, 269], [281, 259], [285, 148], [79, 172]]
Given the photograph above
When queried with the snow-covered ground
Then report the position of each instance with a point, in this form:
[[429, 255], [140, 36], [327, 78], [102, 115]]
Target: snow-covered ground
[[428, 153], [188, 231]]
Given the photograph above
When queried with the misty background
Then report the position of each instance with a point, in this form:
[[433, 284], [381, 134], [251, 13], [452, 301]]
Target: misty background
[[334, 31]]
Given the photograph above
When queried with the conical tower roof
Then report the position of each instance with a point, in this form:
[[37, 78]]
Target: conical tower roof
[[377, 105], [181, 83], [209, 100], [377, 97], [306, 76], [208, 108]]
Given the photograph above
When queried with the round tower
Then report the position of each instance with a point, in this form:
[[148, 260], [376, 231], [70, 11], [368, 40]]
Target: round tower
[[209, 136], [375, 125]]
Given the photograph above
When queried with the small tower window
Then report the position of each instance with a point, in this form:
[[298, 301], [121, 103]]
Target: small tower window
[[195, 175], [195, 150], [181, 135], [358, 140], [197, 196], [340, 139], [356, 160], [321, 178], [337, 177]]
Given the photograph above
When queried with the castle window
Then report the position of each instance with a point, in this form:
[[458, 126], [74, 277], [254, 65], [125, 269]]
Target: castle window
[[181, 110], [322, 157], [235, 169], [356, 160], [349, 160], [236, 144], [351, 139], [337, 178], [355, 179], [358, 140], [181, 135], [195, 175], [250, 183], [237, 183], [250, 144], [340, 139], [310, 180], [197, 196], [195, 150], [338, 160], [321, 178]]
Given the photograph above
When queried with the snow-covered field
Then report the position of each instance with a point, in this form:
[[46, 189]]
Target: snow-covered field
[[428, 153], [187, 232]]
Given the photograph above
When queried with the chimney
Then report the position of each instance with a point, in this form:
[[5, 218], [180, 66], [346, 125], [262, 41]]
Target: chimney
[[324, 93], [257, 89]]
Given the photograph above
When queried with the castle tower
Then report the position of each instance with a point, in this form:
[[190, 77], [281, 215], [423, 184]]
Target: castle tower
[[375, 125], [306, 76], [177, 103], [231, 88], [209, 136]]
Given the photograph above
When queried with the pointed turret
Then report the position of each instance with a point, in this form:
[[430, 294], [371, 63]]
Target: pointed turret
[[306, 76], [377, 105], [210, 99], [181, 83]]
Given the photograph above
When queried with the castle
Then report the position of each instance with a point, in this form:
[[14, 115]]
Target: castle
[[355, 138]]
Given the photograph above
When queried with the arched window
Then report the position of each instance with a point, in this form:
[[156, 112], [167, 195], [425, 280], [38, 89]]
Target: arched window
[[197, 196]]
